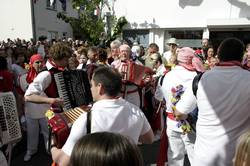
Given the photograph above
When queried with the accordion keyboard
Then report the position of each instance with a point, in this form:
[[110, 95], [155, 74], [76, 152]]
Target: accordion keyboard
[[62, 90], [74, 88]]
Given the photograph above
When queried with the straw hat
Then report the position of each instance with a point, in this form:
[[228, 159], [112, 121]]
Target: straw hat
[[172, 41]]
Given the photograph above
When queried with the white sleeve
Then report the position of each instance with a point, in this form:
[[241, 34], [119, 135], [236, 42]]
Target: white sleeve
[[187, 103], [158, 92], [39, 84], [77, 131], [146, 126]]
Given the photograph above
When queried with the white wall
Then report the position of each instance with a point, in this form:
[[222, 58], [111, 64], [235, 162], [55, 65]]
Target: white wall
[[179, 13], [15, 19], [46, 20]]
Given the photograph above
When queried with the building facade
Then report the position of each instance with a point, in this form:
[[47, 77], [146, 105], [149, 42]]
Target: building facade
[[187, 20], [28, 19]]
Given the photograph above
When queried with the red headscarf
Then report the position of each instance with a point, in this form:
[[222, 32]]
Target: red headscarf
[[32, 73]]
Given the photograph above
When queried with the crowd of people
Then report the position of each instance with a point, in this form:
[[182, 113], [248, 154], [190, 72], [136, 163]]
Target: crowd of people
[[159, 100]]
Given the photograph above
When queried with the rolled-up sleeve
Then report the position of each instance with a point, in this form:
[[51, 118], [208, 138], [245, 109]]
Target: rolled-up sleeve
[[40, 83], [77, 131], [146, 126], [187, 103]]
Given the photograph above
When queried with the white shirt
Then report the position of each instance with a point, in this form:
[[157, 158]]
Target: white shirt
[[177, 76], [160, 71], [32, 110], [167, 55], [113, 115], [41, 82], [223, 97]]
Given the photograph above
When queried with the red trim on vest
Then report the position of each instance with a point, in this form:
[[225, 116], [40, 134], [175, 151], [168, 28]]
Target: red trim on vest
[[229, 63]]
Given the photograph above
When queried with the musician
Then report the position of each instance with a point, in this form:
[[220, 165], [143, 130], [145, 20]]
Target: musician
[[43, 88], [34, 113], [174, 84], [129, 92], [109, 113]]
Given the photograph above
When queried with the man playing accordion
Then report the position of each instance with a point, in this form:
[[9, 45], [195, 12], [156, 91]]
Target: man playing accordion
[[109, 113], [43, 89], [133, 75]]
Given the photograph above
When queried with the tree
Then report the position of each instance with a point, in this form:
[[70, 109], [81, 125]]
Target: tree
[[90, 24]]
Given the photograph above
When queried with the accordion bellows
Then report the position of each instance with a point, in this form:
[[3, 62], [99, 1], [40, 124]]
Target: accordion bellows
[[10, 127]]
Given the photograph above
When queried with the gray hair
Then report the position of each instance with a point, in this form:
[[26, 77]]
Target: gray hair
[[115, 44]]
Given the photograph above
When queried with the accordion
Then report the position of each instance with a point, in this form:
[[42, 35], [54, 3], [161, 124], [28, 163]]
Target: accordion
[[60, 124], [134, 73], [10, 129], [74, 88]]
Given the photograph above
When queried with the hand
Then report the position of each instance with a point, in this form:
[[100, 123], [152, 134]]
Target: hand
[[56, 101], [178, 115]]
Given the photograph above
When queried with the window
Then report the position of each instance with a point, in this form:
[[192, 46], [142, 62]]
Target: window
[[64, 35], [140, 36], [64, 5], [52, 35], [51, 4], [189, 34], [185, 38]]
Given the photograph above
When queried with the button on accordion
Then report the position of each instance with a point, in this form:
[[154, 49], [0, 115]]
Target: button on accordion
[[10, 129], [74, 88], [134, 73]]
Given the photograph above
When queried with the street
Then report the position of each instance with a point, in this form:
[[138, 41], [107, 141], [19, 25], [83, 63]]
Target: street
[[149, 153]]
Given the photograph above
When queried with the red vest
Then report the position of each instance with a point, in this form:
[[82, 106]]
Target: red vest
[[51, 90]]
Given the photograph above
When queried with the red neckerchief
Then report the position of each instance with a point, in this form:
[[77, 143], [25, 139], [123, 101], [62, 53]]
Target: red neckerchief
[[230, 63], [31, 75], [55, 66]]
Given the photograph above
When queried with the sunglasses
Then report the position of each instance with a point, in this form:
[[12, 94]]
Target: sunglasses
[[38, 62]]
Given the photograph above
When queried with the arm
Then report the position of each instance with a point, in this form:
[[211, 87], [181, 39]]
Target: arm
[[60, 157], [186, 104], [179, 116], [147, 138], [35, 92], [43, 100]]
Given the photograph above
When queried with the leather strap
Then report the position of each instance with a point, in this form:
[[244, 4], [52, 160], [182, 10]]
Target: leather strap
[[88, 122]]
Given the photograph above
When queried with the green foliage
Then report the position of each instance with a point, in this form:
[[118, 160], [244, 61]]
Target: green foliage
[[90, 27], [117, 29]]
